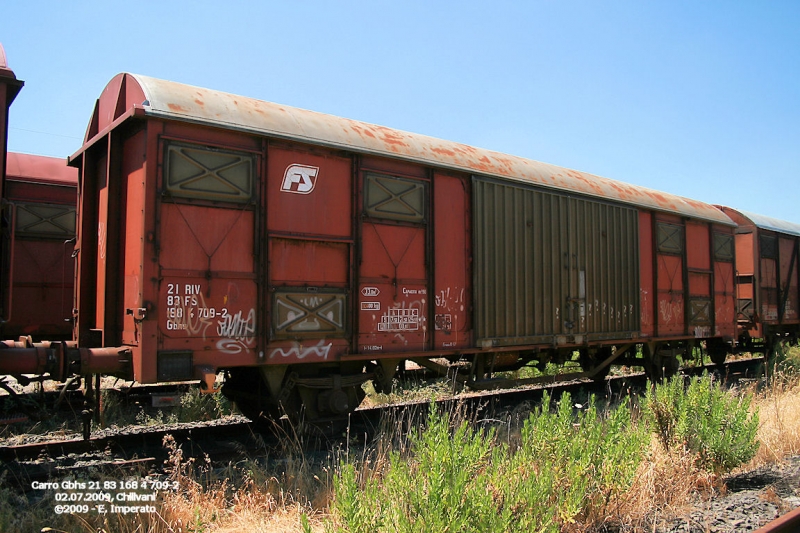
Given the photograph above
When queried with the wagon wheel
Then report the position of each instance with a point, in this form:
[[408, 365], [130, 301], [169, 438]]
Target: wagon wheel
[[246, 388], [589, 362], [317, 397], [717, 351], [774, 350], [658, 367]]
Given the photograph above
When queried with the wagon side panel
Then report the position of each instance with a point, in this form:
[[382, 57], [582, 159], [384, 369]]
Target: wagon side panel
[[647, 293], [310, 246], [452, 286], [669, 238], [206, 213], [393, 274], [43, 268], [700, 304]]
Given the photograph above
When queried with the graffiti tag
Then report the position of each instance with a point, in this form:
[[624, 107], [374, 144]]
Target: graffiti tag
[[298, 351]]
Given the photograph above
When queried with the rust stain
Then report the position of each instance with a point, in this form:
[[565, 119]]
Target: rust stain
[[178, 108], [617, 188], [593, 185], [463, 149], [443, 151], [662, 200], [504, 165], [657, 197], [393, 138], [199, 102], [362, 131]]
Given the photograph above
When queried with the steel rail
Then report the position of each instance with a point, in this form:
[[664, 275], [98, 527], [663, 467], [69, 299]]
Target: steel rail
[[788, 523]]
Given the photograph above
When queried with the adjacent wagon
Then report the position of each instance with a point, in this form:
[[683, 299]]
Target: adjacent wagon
[[768, 280], [41, 197]]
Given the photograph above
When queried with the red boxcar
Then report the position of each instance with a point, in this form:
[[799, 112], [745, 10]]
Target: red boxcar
[[767, 279], [304, 254], [42, 196]]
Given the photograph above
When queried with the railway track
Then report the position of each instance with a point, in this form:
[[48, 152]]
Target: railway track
[[40, 405], [788, 523], [132, 450], [138, 449], [18, 407]]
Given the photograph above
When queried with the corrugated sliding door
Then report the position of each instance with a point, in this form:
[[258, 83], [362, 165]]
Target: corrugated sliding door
[[549, 265]]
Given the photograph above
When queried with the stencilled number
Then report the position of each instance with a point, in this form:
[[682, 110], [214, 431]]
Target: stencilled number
[[186, 308]]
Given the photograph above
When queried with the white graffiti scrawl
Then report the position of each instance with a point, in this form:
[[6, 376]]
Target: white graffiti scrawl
[[237, 332], [321, 350]]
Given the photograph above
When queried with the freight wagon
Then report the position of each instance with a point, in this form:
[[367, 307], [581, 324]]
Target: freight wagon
[[304, 254], [767, 286], [41, 197]]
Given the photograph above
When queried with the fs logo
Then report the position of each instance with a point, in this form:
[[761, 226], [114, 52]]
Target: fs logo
[[299, 179]]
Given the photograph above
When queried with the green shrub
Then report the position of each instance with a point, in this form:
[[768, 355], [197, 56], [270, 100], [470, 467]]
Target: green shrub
[[714, 424], [570, 466], [442, 487], [787, 360], [458, 479], [199, 405]]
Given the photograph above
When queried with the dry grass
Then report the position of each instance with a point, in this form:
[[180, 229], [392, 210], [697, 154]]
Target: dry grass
[[665, 485], [248, 496], [668, 482], [779, 415], [246, 509]]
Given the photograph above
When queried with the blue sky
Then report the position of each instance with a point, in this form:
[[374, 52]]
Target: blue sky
[[700, 99]]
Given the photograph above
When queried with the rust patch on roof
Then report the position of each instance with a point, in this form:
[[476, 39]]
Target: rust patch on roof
[[178, 108], [359, 130], [443, 151], [392, 138]]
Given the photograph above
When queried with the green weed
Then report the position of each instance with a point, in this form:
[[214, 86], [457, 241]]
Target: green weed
[[564, 466], [706, 420]]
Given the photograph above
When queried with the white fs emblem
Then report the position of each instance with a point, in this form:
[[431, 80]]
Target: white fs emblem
[[299, 179]]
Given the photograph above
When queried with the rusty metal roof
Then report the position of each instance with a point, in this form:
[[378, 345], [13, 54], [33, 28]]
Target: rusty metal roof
[[769, 223], [205, 106], [39, 168]]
